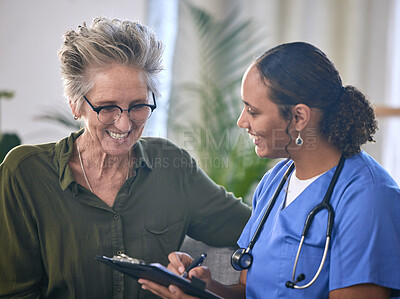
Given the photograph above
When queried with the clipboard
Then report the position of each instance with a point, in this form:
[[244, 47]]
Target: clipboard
[[157, 273]]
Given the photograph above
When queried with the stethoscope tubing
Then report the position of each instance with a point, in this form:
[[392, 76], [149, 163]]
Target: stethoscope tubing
[[243, 256], [295, 286], [323, 205], [269, 208]]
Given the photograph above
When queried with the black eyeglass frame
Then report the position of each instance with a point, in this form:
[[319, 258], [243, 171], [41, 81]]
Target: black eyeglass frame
[[99, 108]]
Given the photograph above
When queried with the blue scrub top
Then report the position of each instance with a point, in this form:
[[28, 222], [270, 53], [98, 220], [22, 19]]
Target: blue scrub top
[[365, 245]]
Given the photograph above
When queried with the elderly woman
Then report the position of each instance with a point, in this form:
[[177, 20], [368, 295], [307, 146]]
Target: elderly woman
[[105, 190], [296, 108]]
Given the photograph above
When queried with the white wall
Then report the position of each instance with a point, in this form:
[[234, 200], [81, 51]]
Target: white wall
[[353, 33], [30, 36]]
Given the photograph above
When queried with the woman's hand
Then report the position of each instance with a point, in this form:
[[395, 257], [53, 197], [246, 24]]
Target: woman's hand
[[178, 263], [172, 292]]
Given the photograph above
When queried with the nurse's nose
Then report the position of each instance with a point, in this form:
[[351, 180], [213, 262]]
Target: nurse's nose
[[242, 121]]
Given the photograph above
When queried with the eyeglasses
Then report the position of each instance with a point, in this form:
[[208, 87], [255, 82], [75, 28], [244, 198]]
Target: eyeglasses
[[111, 113]]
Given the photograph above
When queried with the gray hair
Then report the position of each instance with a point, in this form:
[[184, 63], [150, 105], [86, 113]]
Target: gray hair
[[107, 42]]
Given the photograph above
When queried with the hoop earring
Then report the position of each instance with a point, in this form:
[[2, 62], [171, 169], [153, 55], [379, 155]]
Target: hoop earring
[[76, 117], [299, 140]]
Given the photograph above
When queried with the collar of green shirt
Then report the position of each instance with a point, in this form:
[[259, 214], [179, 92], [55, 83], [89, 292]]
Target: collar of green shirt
[[64, 149]]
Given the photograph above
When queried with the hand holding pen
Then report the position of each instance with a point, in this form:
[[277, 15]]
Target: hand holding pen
[[196, 263]]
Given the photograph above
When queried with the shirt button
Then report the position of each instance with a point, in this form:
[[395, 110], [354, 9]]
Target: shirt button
[[116, 217], [119, 252], [118, 288]]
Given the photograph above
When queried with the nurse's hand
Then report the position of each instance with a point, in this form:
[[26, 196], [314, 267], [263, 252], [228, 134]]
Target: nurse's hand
[[178, 262], [172, 292]]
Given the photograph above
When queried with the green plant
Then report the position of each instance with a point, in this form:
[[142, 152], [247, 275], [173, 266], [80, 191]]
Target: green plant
[[221, 148], [7, 140], [5, 94], [59, 116]]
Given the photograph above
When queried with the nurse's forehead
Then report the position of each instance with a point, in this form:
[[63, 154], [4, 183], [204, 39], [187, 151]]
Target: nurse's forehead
[[248, 104]]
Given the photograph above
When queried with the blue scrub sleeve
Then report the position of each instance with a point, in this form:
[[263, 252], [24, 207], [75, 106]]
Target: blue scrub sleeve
[[365, 244]]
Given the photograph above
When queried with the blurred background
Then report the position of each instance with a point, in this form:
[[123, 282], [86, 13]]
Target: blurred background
[[209, 44]]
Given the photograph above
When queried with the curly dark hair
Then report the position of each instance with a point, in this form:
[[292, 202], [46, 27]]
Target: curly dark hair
[[301, 73]]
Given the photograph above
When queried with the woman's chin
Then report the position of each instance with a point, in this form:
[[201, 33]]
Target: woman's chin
[[262, 153], [265, 152], [118, 148]]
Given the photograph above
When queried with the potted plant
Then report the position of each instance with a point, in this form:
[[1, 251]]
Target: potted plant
[[222, 149], [7, 140]]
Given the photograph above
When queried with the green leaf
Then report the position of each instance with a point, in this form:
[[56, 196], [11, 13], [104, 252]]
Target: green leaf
[[223, 150], [7, 142], [59, 116], [6, 94]]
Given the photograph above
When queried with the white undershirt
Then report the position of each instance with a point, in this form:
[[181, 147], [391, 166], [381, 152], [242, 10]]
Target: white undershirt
[[296, 186]]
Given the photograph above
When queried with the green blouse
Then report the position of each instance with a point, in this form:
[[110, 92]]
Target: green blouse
[[51, 228]]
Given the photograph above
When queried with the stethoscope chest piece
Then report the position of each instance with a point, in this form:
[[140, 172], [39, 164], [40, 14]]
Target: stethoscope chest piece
[[241, 259]]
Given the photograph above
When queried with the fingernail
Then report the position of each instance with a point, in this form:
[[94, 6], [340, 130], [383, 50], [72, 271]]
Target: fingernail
[[181, 269], [172, 289]]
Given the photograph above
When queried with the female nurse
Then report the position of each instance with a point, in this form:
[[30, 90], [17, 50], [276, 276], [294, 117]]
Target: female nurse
[[296, 108]]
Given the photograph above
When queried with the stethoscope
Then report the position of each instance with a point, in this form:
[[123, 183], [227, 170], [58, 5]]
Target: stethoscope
[[242, 259]]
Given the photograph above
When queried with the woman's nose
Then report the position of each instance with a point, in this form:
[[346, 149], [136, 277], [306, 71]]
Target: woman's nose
[[242, 122], [124, 123]]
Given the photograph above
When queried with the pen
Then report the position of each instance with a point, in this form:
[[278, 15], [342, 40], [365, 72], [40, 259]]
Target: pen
[[196, 263]]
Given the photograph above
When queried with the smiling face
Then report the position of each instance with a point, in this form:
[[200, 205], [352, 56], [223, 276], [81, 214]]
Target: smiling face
[[261, 117], [122, 86]]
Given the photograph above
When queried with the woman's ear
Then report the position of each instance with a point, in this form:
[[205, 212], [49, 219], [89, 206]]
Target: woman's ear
[[74, 109], [301, 116]]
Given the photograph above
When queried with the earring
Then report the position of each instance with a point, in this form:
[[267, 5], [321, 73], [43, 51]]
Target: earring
[[76, 117], [299, 140]]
